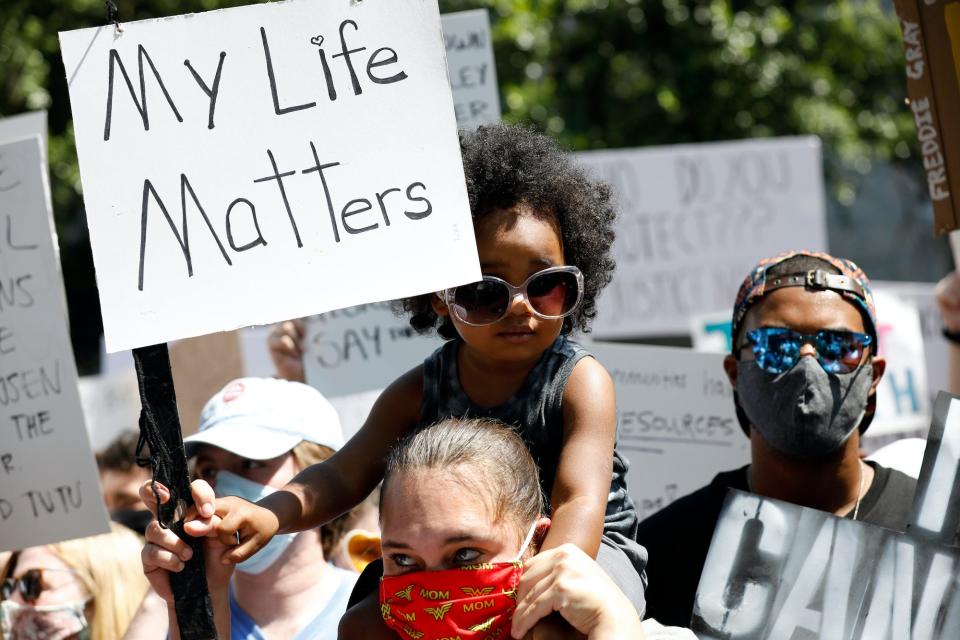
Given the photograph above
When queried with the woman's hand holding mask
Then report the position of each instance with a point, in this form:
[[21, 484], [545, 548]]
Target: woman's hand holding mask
[[567, 581]]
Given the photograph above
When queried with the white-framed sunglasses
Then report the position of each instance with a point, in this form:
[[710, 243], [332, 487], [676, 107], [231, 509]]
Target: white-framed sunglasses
[[553, 293]]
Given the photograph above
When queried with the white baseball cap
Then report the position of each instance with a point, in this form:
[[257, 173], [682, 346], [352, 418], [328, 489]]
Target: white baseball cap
[[263, 418]]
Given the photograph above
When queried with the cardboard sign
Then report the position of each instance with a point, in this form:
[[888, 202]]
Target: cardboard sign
[[361, 349], [203, 366], [931, 39], [903, 400], [49, 490], [694, 219], [783, 572], [473, 73], [677, 425], [250, 165]]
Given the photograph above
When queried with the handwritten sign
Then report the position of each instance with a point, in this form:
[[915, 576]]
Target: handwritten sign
[[694, 219], [903, 403], [49, 490], [250, 165], [677, 425], [783, 572], [931, 40], [935, 346], [473, 74], [362, 349]]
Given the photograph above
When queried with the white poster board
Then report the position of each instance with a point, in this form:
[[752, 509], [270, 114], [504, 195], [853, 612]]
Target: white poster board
[[111, 406], [694, 219], [677, 423], [49, 490], [935, 346], [903, 400], [361, 349], [281, 160], [23, 125], [473, 73]]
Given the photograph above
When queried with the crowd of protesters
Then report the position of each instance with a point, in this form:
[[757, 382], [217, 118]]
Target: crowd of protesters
[[489, 475]]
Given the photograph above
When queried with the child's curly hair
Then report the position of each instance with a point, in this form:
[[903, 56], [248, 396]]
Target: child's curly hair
[[506, 165]]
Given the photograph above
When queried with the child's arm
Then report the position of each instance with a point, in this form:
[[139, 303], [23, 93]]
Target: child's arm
[[323, 491], [582, 485]]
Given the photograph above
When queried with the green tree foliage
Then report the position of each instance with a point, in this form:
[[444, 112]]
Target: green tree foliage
[[594, 73]]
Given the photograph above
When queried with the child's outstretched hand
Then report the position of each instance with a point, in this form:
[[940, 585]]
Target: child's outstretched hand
[[948, 298], [286, 349], [239, 520], [165, 552]]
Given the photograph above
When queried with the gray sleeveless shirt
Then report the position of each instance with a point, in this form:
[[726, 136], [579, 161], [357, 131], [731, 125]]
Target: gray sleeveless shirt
[[535, 413]]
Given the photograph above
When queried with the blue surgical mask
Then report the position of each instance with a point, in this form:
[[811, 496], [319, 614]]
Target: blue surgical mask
[[230, 484]]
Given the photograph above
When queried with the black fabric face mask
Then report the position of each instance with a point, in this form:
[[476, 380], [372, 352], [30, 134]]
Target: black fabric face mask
[[133, 519]]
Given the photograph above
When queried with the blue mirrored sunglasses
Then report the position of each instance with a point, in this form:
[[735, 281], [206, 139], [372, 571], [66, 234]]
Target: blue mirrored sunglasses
[[777, 349]]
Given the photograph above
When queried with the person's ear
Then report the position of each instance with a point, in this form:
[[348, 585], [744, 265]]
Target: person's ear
[[879, 365], [730, 367], [439, 304], [542, 528]]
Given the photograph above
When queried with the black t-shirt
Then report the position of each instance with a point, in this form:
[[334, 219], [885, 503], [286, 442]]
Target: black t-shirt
[[678, 537]]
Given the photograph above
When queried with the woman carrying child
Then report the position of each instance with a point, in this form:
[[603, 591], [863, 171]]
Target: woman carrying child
[[543, 230]]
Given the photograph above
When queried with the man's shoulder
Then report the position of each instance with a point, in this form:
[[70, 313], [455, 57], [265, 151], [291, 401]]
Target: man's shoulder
[[704, 503], [890, 499]]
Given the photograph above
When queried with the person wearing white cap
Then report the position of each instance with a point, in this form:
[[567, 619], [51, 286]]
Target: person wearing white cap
[[254, 436]]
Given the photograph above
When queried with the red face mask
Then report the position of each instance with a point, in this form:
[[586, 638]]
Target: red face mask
[[474, 602]]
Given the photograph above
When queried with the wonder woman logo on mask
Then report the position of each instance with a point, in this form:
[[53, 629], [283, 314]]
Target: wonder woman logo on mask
[[440, 612], [427, 603], [484, 626], [405, 593]]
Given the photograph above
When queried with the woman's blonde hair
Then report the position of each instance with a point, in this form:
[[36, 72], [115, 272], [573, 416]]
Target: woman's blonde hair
[[109, 567]]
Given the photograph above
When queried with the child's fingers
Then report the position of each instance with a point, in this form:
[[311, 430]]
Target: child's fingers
[[202, 527], [238, 553], [203, 497]]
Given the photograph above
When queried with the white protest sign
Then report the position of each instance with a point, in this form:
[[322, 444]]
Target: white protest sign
[[25, 125], [361, 349], [677, 423], [903, 402], [778, 571], [935, 346], [250, 165], [111, 405], [473, 74], [694, 219], [49, 490]]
